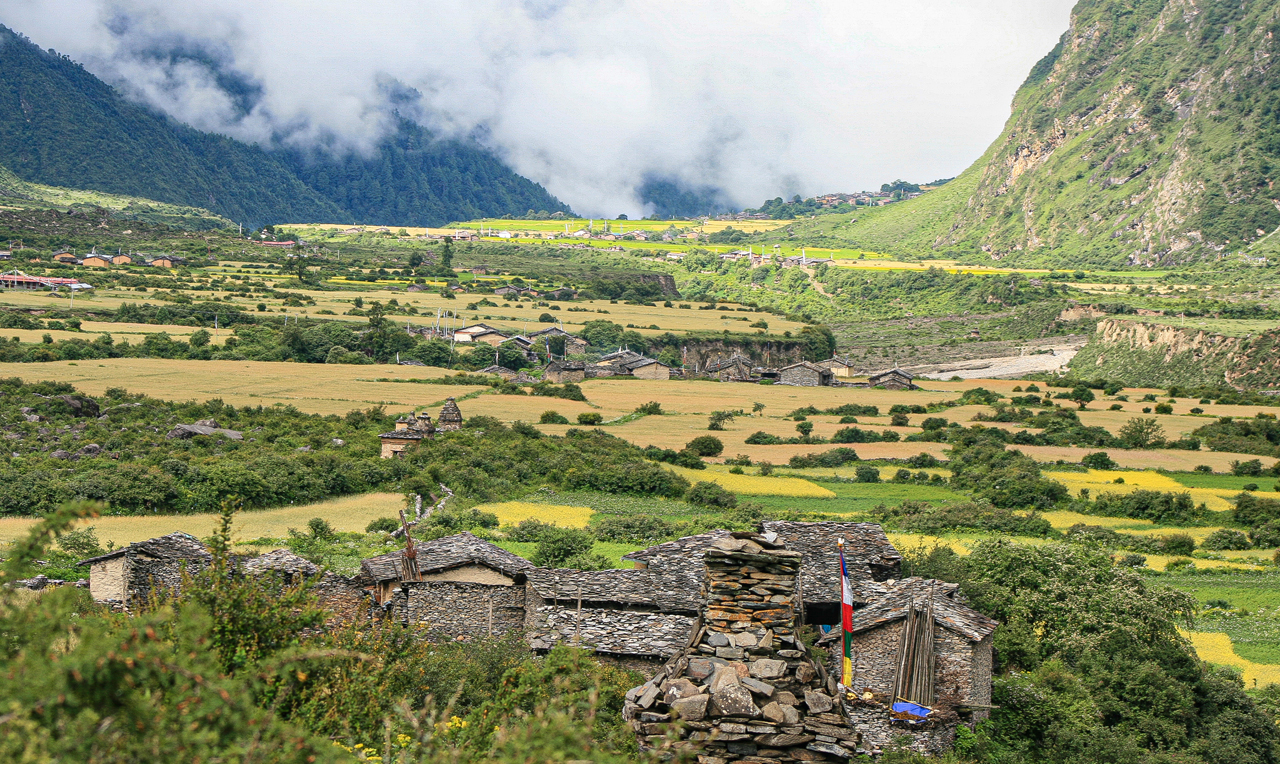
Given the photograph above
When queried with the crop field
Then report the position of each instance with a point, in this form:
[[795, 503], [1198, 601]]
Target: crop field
[[512, 512], [1104, 481], [349, 513], [754, 485], [1218, 648]]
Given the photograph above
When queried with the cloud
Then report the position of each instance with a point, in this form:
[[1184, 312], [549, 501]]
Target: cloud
[[587, 97]]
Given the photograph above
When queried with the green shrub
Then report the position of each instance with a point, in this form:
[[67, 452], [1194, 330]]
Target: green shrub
[[1226, 539], [652, 408], [836, 457], [552, 417], [1099, 460], [382, 525], [689, 459], [707, 494], [866, 474], [762, 438], [633, 529], [706, 445], [590, 418], [1251, 468], [1178, 543], [557, 545]]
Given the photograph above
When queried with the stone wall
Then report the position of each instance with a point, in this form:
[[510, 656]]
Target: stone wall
[[157, 576], [454, 608], [347, 602], [746, 689], [652, 371], [800, 377], [107, 579]]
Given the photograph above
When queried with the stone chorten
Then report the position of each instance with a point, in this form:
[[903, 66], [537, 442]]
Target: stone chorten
[[450, 417], [745, 689]]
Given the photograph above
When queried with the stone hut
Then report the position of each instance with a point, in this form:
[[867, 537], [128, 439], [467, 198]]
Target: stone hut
[[409, 432], [501, 371], [840, 367], [573, 345], [291, 568], [958, 664], [463, 586], [745, 689], [893, 379], [805, 374], [871, 557], [560, 372], [612, 612], [648, 368], [676, 570], [450, 416], [735, 368], [130, 575]]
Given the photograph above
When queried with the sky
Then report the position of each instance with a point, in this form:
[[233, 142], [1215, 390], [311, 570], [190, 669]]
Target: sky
[[587, 97]]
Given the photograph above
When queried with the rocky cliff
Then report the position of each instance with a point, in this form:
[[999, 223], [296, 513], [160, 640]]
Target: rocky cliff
[[1149, 135], [1141, 353]]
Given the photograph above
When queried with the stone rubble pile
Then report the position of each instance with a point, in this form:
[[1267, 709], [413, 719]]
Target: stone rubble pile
[[745, 690]]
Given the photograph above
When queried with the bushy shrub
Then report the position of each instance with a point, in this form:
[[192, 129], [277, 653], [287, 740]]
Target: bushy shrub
[[706, 445], [836, 457], [1099, 460], [688, 458], [1252, 511], [920, 517], [633, 529], [1178, 543], [707, 494], [590, 418], [382, 525], [528, 530], [934, 423], [867, 474], [556, 546], [899, 420], [652, 408], [923, 460], [552, 417], [1250, 468], [762, 438], [1226, 539]]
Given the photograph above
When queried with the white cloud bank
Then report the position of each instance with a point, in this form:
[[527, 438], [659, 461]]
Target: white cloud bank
[[589, 97]]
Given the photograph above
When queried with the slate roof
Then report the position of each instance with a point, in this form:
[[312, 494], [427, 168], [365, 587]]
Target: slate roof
[[449, 413], [620, 357], [501, 371], [948, 610], [629, 587], [892, 373], [868, 553], [282, 561], [639, 363], [677, 571], [566, 366], [617, 632], [175, 546], [445, 554]]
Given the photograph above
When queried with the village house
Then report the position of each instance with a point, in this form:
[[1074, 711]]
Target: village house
[[122, 259], [573, 344], [560, 372], [165, 261], [65, 257], [839, 367], [500, 371], [893, 379], [95, 260], [952, 677], [411, 430], [129, 576], [479, 333], [735, 368], [805, 374]]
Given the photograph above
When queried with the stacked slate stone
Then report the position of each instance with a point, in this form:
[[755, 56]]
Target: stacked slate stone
[[746, 689]]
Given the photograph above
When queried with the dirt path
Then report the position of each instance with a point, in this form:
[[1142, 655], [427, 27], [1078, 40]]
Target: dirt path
[[1000, 367]]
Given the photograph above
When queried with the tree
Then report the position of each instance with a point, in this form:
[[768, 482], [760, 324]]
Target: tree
[[199, 338], [1141, 432], [1081, 395], [757, 407], [718, 419], [415, 260], [557, 545], [819, 342], [707, 494], [446, 256], [804, 428], [706, 445]]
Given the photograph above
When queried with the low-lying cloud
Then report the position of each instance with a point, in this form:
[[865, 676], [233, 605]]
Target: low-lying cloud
[[587, 97]]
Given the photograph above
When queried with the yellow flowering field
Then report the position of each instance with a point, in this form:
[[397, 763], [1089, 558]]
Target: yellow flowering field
[[1103, 481], [1216, 647], [1062, 519], [514, 511], [755, 485]]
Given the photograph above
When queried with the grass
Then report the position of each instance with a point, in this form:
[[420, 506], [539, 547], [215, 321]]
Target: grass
[[858, 499], [609, 549], [1223, 482], [1217, 499], [755, 485]]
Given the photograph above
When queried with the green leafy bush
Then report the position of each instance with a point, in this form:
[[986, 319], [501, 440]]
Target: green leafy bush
[[552, 417], [706, 445], [707, 494], [590, 418]]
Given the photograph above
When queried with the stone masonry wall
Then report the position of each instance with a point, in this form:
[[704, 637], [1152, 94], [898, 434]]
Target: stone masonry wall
[[746, 690], [454, 608], [159, 576]]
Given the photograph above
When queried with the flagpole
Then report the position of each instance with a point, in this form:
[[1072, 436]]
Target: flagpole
[[846, 619]]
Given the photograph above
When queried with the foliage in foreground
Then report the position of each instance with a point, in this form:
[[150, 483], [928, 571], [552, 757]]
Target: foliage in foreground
[[224, 675]]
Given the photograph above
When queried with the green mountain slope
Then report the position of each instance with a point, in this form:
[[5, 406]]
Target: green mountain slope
[[61, 126], [16, 193], [1150, 134]]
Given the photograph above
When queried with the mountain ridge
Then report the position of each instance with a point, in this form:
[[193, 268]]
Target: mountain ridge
[[62, 126]]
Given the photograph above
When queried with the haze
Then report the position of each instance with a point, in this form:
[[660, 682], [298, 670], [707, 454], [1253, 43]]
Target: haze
[[757, 99]]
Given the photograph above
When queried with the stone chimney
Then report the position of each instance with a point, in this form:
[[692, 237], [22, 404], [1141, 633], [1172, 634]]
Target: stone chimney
[[745, 689]]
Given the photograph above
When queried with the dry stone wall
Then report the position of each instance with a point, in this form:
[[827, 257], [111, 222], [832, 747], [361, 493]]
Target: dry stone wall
[[456, 608], [746, 690]]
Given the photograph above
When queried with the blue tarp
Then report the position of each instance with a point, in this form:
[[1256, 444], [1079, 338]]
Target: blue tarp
[[904, 707]]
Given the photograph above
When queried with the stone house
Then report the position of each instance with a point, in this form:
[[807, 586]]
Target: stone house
[[613, 612], [500, 371], [409, 432], [959, 663], [461, 559], [648, 368], [893, 379], [735, 368], [871, 557], [839, 367], [564, 371], [573, 344], [129, 576], [805, 374]]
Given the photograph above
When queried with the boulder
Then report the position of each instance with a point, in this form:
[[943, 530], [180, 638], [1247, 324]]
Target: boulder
[[93, 449], [60, 454]]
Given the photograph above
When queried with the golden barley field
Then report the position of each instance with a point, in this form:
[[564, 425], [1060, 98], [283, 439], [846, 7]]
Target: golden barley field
[[512, 512], [348, 513], [755, 485], [1216, 647], [1103, 481]]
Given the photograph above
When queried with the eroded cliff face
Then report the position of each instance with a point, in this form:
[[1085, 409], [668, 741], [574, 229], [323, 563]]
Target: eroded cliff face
[[1141, 353]]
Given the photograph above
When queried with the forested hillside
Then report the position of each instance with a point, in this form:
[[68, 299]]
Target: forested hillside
[[62, 126], [1148, 135]]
